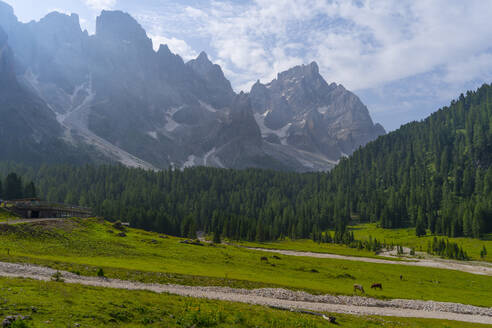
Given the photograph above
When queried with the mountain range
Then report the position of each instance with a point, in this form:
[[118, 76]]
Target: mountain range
[[68, 96]]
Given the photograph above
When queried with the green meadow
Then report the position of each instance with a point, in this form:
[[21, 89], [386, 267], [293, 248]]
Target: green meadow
[[84, 246], [56, 304], [406, 237], [307, 245], [5, 216], [403, 236]]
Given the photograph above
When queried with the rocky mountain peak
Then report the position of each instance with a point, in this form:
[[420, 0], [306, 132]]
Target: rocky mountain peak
[[212, 74], [7, 17], [203, 59], [56, 19], [310, 71], [312, 115], [66, 28], [204, 67], [164, 50], [114, 93], [118, 26], [6, 10]]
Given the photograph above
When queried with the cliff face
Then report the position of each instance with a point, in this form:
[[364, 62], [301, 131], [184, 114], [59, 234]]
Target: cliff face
[[112, 96], [306, 112]]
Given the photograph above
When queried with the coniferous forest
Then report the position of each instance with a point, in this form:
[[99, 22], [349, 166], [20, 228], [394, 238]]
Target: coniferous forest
[[435, 174]]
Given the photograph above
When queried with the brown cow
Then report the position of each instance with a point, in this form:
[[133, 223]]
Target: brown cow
[[377, 285], [359, 287]]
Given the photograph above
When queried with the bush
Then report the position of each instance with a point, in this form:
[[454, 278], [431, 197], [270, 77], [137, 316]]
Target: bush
[[19, 324], [100, 272], [445, 248], [483, 252], [217, 239], [57, 276], [119, 226]]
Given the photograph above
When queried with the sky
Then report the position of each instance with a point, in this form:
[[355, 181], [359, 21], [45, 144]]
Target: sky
[[404, 58]]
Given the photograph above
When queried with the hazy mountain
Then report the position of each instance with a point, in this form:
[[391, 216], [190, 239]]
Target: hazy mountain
[[29, 131], [301, 110], [113, 94]]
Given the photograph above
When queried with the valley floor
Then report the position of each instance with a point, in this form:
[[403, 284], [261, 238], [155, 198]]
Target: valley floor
[[137, 261], [483, 268], [278, 298], [57, 304]]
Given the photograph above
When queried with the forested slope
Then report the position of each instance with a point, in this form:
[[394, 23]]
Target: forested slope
[[434, 174], [243, 204]]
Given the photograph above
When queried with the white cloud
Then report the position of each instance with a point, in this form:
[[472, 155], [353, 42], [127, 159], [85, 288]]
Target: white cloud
[[100, 4], [402, 56], [177, 46], [476, 66], [361, 44], [195, 13]]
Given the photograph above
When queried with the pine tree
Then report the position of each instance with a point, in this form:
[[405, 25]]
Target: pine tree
[[217, 239], [30, 190], [420, 225], [13, 187]]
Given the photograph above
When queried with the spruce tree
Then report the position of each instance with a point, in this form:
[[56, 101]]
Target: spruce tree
[[217, 239], [13, 187], [420, 225]]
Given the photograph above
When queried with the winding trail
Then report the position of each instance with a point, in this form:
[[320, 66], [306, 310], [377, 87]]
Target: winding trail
[[470, 267], [279, 298], [19, 221]]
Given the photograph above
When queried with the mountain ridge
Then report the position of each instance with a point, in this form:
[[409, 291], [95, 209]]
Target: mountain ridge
[[112, 92]]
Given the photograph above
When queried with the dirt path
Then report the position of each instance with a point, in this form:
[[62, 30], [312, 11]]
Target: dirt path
[[470, 267], [275, 297], [19, 221]]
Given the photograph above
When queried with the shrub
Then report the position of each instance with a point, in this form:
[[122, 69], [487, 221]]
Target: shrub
[[57, 276]]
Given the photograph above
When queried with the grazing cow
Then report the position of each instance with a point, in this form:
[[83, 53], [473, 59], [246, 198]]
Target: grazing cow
[[401, 277], [359, 287], [377, 285], [264, 258]]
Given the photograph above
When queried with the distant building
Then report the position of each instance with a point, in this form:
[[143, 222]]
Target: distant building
[[34, 208]]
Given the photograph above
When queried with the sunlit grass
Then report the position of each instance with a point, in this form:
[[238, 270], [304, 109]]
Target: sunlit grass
[[407, 237], [86, 245], [56, 304]]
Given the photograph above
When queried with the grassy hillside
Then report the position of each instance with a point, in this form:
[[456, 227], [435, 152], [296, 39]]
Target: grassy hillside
[[407, 237], [401, 236], [4, 215], [434, 174], [85, 245], [56, 304]]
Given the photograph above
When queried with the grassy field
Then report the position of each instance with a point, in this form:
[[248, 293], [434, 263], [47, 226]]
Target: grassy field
[[56, 304], [307, 245], [407, 237], [4, 215], [86, 245]]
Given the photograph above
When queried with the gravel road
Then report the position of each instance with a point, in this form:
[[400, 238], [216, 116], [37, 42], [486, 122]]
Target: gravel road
[[470, 267], [276, 297]]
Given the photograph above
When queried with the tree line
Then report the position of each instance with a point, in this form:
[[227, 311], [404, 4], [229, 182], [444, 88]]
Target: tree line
[[434, 175], [238, 204], [12, 187]]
